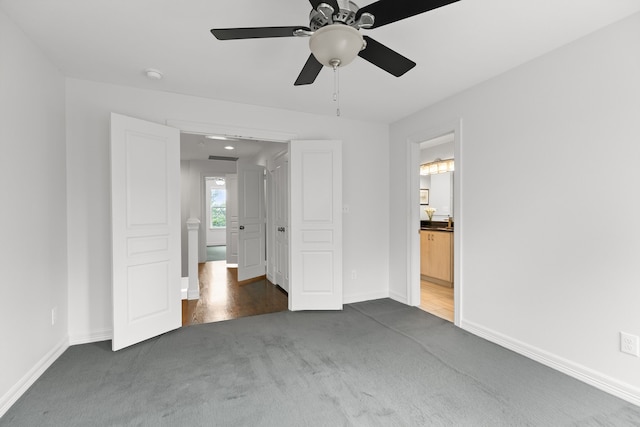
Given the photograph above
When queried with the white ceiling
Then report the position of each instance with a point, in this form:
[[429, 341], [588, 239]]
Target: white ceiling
[[455, 47]]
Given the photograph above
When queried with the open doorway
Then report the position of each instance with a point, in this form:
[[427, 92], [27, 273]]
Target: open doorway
[[437, 177], [215, 203], [417, 213], [210, 194]]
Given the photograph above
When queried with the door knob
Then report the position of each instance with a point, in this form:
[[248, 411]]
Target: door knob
[[241, 227]]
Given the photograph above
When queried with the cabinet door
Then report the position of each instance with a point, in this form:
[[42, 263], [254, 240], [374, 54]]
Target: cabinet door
[[440, 255], [424, 249], [435, 254]]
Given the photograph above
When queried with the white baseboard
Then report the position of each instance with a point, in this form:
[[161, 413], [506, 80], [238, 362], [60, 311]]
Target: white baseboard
[[34, 373], [97, 336], [398, 297], [193, 294], [184, 288], [350, 299], [582, 373]]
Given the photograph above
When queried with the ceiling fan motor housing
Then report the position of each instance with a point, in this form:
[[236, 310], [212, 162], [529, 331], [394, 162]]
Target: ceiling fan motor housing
[[346, 15]]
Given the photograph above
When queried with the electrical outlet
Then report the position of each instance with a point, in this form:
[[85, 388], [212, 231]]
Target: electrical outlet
[[629, 344], [54, 315], [354, 275]]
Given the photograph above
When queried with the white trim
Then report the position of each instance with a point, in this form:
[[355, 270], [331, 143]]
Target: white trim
[[413, 238], [398, 297], [18, 389], [97, 336], [350, 299], [184, 287], [596, 379], [193, 225], [194, 294], [232, 131]]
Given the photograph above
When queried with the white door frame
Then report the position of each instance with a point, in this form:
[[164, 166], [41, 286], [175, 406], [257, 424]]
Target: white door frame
[[413, 225]]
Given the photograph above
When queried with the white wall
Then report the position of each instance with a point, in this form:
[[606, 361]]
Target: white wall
[[33, 215], [550, 238], [365, 149]]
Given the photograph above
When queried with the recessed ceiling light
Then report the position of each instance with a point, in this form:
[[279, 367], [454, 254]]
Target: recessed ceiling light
[[222, 138], [229, 147], [153, 74]]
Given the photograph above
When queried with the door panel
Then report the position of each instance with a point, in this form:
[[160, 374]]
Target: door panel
[[316, 225], [145, 203], [251, 215], [281, 223], [232, 218]]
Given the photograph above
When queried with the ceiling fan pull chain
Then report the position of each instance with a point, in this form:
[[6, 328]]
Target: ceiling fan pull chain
[[336, 88]]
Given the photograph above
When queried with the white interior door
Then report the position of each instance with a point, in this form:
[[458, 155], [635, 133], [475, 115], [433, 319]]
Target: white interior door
[[281, 221], [251, 217], [145, 208], [316, 225], [232, 218]]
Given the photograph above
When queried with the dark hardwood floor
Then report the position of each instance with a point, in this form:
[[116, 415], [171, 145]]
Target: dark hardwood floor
[[222, 297]]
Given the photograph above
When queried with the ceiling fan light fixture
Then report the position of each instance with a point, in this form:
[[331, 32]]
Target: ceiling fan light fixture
[[336, 45]]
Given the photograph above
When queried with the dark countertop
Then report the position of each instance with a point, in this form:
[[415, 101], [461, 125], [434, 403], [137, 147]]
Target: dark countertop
[[435, 226]]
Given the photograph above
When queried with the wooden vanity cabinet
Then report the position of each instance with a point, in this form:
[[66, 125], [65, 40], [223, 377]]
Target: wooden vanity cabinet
[[436, 256]]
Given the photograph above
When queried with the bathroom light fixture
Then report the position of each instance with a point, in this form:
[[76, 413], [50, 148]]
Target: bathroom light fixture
[[437, 166], [229, 147]]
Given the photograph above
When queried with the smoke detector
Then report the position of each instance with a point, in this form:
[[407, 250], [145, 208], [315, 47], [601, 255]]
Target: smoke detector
[[153, 74]]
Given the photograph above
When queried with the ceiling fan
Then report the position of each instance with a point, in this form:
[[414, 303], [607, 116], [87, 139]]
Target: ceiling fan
[[334, 31]]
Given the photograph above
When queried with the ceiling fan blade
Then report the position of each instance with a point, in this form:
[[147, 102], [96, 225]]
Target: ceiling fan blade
[[255, 32], [385, 58], [389, 11], [309, 72], [332, 3]]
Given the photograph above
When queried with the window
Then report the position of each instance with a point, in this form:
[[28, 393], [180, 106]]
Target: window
[[218, 208]]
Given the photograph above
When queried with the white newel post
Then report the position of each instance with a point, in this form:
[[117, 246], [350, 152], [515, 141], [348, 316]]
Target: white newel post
[[194, 288]]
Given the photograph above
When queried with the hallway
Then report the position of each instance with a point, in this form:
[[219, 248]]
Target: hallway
[[222, 297]]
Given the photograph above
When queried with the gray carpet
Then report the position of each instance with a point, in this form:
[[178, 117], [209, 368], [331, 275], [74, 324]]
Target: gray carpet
[[216, 253], [375, 363]]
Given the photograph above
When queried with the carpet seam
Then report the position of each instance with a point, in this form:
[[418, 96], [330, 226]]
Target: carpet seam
[[439, 359]]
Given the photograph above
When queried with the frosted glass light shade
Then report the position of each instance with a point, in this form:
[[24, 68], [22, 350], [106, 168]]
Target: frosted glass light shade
[[336, 41]]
